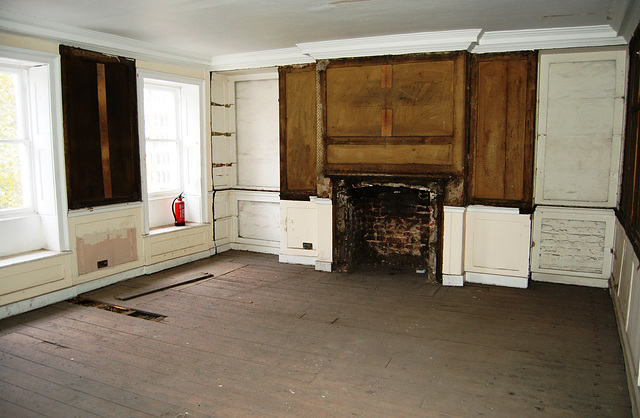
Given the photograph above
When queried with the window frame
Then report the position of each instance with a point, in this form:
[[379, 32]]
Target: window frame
[[44, 103], [628, 209], [178, 140], [196, 196]]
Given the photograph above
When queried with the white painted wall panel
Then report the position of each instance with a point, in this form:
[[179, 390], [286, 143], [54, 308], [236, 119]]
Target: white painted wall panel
[[36, 277], [258, 145], [259, 220], [633, 321], [580, 112], [573, 245], [497, 242], [453, 248], [629, 265]]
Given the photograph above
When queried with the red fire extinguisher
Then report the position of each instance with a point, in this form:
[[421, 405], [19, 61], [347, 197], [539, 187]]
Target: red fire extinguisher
[[177, 207]]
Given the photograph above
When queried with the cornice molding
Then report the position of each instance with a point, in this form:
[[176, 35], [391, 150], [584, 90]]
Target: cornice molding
[[99, 41], [551, 38], [474, 40], [259, 59], [454, 40]]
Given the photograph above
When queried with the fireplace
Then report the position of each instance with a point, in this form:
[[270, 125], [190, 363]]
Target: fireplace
[[388, 223]]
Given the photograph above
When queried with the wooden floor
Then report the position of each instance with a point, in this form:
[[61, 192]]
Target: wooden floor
[[270, 339]]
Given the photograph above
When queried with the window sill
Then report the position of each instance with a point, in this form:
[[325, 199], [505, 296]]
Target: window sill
[[158, 230], [14, 259]]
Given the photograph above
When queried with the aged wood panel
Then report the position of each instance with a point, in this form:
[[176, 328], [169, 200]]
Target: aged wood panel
[[502, 129], [102, 154], [377, 110], [422, 98], [298, 132], [387, 154], [356, 99]]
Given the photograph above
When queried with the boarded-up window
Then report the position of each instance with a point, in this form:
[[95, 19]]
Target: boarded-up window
[[503, 100], [298, 135], [629, 209], [102, 156]]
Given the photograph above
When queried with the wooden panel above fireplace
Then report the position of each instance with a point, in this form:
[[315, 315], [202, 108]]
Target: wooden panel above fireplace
[[394, 115]]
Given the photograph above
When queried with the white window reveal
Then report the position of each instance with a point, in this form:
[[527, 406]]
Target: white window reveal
[[31, 198], [172, 129]]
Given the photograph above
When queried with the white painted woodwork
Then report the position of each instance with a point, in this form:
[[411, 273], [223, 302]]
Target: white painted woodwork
[[572, 245], [191, 33], [497, 244], [257, 133], [223, 138], [298, 225], [626, 297], [580, 123], [547, 38], [324, 216], [453, 247], [45, 227], [255, 221], [176, 242], [49, 272]]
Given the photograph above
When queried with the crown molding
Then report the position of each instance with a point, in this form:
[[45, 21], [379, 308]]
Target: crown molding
[[552, 38], [630, 20], [453, 40], [259, 59], [99, 41]]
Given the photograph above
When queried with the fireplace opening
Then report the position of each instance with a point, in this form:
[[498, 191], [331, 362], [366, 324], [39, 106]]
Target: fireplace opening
[[387, 224]]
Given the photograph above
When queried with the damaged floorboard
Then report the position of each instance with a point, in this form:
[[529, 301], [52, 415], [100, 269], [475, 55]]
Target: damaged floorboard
[[270, 339]]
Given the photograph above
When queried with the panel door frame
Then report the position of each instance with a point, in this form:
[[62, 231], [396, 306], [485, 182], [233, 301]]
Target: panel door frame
[[531, 58], [546, 59]]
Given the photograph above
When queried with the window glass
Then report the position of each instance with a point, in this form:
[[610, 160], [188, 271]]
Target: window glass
[[15, 187], [161, 126]]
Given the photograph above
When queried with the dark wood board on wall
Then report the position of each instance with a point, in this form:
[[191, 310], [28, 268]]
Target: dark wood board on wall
[[102, 155], [502, 129], [629, 207], [395, 115], [298, 133]]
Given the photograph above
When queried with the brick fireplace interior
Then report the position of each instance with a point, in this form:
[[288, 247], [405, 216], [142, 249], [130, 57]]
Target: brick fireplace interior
[[393, 224]]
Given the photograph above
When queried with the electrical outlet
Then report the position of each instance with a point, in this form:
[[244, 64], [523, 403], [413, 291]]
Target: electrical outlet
[[103, 263]]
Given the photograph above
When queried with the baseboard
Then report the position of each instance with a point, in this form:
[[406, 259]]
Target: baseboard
[[452, 280], [297, 259], [223, 247], [265, 249], [632, 380], [323, 266], [565, 279], [30, 304], [495, 279]]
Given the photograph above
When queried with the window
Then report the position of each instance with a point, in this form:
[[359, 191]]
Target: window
[[629, 206], [163, 138], [16, 189], [32, 194], [172, 127]]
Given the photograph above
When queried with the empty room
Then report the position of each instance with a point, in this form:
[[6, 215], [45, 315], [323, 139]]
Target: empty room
[[319, 208]]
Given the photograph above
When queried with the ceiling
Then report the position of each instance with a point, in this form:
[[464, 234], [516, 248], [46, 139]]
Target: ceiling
[[210, 28]]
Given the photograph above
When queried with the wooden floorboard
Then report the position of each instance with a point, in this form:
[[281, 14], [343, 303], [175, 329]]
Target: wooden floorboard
[[268, 339]]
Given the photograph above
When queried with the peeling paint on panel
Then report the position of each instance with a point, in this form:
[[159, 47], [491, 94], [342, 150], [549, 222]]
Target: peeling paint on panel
[[117, 246]]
